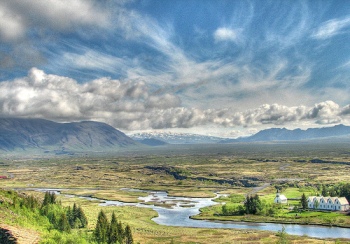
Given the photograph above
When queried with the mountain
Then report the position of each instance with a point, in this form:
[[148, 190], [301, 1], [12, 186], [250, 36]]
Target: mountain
[[152, 142], [27, 134], [278, 134], [177, 138]]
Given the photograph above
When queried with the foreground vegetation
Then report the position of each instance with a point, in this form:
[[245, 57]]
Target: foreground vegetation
[[235, 172], [56, 223]]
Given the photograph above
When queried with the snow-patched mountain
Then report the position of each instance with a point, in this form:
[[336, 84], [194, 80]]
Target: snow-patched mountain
[[176, 138]]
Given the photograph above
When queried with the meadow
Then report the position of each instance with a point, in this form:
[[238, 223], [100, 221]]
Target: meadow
[[198, 171]]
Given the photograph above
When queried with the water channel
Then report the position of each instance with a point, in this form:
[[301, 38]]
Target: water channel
[[183, 207]]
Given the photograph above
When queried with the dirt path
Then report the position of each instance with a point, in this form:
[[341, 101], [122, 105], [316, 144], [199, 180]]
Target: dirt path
[[258, 188], [23, 236]]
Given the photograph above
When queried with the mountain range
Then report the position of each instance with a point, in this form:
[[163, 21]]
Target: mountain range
[[283, 134], [268, 135], [41, 134], [177, 138], [89, 136]]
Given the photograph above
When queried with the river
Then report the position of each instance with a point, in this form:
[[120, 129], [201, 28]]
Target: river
[[183, 207]]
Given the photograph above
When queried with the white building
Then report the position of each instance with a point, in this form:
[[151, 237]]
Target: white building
[[328, 203], [280, 198]]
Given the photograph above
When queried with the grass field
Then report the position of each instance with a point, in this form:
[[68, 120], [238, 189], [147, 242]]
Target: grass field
[[195, 173]]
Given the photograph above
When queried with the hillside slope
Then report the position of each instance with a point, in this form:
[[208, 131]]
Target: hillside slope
[[26, 134]]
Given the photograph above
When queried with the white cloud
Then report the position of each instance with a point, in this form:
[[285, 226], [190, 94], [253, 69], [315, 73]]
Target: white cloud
[[331, 28], [225, 34], [11, 24], [131, 105], [20, 16], [94, 60]]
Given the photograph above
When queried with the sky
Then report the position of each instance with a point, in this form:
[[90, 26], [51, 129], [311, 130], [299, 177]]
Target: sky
[[214, 67]]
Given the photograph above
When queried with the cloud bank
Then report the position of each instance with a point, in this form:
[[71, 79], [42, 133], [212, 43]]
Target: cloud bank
[[19, 16], [131, 105]]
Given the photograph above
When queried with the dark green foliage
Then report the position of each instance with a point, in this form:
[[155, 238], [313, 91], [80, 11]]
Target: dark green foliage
[[70, 216], [82, 217], [63, 224], [113, 230], [340, 190], [303, 201], [128, 235], [49, 198], [120, 232], [324, 191], [101, 229], [252, 204]]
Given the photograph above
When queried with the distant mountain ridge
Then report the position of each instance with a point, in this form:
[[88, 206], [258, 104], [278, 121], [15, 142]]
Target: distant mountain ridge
[[177, 138], [152, 142], [41, 134], [283, 134], [268, 135]]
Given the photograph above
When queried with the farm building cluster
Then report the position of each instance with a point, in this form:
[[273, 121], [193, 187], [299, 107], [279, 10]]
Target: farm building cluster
[[328, 203], [320, 203]]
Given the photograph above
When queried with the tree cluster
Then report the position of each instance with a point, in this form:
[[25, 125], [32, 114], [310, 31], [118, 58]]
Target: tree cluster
[[252, 204], [63, 219], [340, 190], [111, 232]]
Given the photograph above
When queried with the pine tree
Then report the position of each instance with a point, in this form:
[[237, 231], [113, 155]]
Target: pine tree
[[70, 217], [257, 206], [102, 227], [113, 230], [82, 217], [52, 198], [63, 224], [248, 205], [121, 233], [75, 212], [303, 201], [128, 235], [47, 199]]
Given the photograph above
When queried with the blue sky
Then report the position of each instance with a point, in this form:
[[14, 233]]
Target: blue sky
[[224, 68]]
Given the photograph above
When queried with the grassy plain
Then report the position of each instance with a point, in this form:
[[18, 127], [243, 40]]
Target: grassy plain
[[203, 170]]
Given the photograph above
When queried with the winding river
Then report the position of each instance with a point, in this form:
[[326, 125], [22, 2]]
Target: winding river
[[184, 207]]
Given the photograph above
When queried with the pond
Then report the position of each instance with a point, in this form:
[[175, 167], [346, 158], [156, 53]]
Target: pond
[[179, 209]]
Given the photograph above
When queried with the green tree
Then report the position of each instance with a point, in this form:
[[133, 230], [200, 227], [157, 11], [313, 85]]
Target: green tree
[[324, 191], [303, 201], [63, 224], [121, 233], [69, 214], [113, 230], [128, 235], [82, 217], [101, 228], [47, 199], [316, 204], [252, 204]]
